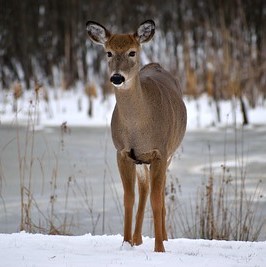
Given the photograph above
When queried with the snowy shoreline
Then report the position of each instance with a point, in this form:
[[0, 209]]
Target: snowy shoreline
[[72, 106]]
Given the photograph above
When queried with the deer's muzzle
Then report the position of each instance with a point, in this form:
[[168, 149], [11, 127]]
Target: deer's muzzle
[[117, 79]]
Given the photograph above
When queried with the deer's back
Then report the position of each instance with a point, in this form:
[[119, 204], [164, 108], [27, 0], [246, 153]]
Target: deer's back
[[154, 76], [164, 98]]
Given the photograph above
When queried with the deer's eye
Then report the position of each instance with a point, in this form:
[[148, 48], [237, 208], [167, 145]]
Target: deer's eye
[[132, 54], [109, 54]]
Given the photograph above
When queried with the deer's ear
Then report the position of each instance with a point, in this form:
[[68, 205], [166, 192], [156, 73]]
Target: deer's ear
[[97, 32], [145, 31]]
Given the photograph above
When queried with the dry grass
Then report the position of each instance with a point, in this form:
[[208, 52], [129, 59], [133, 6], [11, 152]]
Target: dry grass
[[55, 218], [223, 209], [44, 222], [226, 211]]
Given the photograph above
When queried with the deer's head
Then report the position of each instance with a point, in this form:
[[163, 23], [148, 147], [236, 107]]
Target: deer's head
[[122, 50]]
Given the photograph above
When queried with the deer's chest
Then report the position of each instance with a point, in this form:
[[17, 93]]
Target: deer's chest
[[133, 136]]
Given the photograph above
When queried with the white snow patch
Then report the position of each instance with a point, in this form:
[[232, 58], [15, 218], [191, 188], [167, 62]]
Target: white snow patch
[[22, 249], [72, 107]]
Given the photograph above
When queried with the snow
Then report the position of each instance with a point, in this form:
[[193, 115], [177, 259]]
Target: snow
[[22, 249], [71, 107], [63, 106]]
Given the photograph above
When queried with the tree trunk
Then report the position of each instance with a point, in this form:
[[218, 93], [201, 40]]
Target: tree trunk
[[244, 111]]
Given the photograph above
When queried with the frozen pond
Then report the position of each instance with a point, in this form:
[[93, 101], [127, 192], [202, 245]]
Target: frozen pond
[[74, 178]]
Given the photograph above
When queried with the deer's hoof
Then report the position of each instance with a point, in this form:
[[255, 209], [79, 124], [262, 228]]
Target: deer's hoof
[[137, 240], [159, 247]]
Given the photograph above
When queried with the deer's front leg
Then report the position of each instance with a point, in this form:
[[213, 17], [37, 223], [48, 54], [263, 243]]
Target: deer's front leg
[[158, 176], [127, 170], [143, 183]]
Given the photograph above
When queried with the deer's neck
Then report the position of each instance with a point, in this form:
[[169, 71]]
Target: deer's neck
[[130, 102]]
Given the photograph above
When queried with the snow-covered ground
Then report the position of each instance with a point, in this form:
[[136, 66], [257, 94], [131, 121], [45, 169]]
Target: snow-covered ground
[[72, 106], [23, 249]]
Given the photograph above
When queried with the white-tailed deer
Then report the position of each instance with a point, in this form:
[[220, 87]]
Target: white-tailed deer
[[148, 124]]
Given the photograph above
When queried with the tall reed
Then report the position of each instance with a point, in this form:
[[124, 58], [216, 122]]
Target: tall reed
[[224, 208]]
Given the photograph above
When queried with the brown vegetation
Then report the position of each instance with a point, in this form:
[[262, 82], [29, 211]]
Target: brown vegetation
[[209, 44]]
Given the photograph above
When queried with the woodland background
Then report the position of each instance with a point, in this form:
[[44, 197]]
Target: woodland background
[[217, 47]]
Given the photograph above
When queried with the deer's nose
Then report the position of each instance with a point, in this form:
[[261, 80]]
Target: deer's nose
[[117, 79]]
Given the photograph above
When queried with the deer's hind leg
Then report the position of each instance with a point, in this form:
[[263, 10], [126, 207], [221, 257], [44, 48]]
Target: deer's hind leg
[[127, 170], [165, 238], [143, 185], [158, 176]]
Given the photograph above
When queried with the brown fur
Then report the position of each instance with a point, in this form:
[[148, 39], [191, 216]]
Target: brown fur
[[148, 124], [121, 42]]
